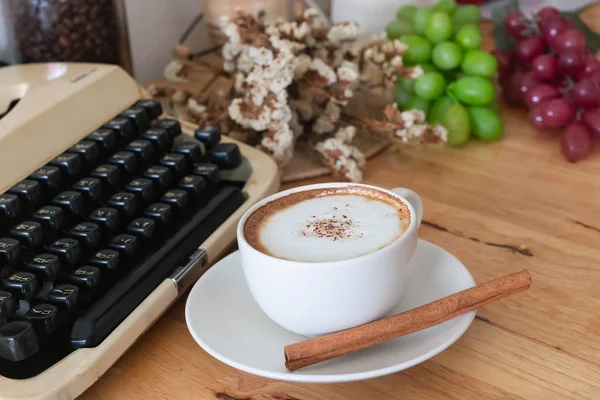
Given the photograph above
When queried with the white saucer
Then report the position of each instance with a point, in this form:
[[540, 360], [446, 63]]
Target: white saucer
[[227, 323]]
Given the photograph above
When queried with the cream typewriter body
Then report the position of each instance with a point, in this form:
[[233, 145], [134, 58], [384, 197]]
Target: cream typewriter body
[[109, 210]]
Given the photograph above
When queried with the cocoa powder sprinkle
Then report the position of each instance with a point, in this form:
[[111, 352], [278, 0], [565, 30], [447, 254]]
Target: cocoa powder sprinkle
[[333, 228]]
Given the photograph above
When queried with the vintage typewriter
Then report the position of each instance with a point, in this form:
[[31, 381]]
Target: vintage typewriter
[[109, 210]]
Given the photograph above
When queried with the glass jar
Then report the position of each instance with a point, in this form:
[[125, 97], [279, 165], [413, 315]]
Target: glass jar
[[66, 30]]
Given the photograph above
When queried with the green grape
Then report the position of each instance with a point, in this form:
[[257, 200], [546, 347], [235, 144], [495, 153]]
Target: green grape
[[446, 6], [421, 19], [428, 68], [419, 49], [469, 14], [486, 124], [430, 85], [401, 97], [407, 12], [417, 103], [398, 27], [447, 56], [469, 37], [456, 121], [439, 27], [437, 109], [473, 90], [477, 62], [406, 84]]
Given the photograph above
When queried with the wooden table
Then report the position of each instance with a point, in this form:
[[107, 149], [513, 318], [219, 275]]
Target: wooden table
[[499, 208]]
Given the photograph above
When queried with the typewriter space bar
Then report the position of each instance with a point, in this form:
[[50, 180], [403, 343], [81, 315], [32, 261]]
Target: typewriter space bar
[[91, 328]]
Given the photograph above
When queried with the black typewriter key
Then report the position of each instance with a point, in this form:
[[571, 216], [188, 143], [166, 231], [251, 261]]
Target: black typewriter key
[[109, 174], [106, 217], [89, 187], [45, 266], [10, 251], [87, 278], [177, 198], [123, 127], [87, 233], [143, 188], [159, 212], [70, 164], [208, 171], [125, 202], [126, 161], [51, 217], [29, 192], [160, 175], [194, 185], [23, 285], [191, 150], [29, 233], [67, 249], [8, 304], [10, 207], [176, 163], [226, 155], [65, 296], [18, 341], [139, 117], [107, 260], [153, 107], [87, 150], [142, 228], [126, 244], [44, 318], [105, 138], [70, 201], [210, 135], [143, 149], [172, 126], [159, 137], [50, 177]]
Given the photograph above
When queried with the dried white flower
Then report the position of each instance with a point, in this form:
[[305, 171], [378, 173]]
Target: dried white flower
[[343, 32], [324, 70], [172, 71]]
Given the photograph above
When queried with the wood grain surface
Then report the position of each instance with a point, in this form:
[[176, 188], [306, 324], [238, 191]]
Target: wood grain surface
[[499, 208]]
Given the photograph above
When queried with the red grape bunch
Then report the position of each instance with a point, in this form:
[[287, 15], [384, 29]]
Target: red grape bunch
[[551, 72]]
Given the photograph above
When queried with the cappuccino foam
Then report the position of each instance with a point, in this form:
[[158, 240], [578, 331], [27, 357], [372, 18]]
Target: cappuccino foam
[[327, 224]]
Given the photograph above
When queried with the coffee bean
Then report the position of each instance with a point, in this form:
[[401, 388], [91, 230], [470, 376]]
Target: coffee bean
[[65, 30]]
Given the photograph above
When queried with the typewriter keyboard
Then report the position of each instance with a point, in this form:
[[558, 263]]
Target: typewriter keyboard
[[86, 237]]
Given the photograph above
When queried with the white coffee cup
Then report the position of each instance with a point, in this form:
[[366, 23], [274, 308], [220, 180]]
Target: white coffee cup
[[316, 298]]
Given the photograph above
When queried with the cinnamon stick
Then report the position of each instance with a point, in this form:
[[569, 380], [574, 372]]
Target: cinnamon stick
[[314, 351]]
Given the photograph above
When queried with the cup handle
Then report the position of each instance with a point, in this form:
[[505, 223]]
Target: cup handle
[[414, 200]]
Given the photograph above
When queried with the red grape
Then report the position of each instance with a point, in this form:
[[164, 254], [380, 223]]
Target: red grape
[[539, 94], [503, 59], [576, 141], [536, 118], [546, 14], [545, 67], [558, 112], [586, 93], [553, 28], [591, 65], [529, 48], [526, 82], [569, 39], [571, 62], [511, 87], [591, 118], [514, 24], [595, 76]]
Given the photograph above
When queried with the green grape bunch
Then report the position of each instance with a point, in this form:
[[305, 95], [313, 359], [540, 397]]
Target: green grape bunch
[[456, 88]]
